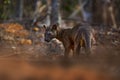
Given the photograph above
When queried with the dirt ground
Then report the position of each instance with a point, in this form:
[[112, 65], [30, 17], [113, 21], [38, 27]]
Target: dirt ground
[[25, 56]]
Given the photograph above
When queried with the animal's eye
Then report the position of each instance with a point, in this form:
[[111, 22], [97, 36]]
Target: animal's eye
[[49, 33]]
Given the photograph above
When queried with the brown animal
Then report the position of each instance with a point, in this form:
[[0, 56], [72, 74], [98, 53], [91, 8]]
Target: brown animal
[[72, 38]]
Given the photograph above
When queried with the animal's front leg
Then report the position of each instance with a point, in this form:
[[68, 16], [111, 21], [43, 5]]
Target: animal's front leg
[[76, 50], [67, 51]]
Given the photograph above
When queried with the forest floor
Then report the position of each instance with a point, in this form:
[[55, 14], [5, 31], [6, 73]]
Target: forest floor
[[25, 56]]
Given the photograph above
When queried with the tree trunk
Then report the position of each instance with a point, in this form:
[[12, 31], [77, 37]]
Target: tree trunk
[[47, 21], [55, 16], [111, 16], [86, 8], [19, 9]]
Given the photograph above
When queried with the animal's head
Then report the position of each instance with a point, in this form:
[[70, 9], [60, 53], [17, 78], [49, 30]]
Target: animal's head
[[50, 32]]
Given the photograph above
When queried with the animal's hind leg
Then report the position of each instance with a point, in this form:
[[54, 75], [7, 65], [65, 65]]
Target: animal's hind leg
[[88, 51]]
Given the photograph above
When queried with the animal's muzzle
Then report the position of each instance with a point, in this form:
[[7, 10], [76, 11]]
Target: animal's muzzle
[[47, 40]]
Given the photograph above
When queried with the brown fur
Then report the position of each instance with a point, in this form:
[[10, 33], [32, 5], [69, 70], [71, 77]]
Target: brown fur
[[73, 38]]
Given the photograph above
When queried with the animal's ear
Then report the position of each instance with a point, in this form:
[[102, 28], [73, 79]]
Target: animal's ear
[[44, 26], [55, 26]]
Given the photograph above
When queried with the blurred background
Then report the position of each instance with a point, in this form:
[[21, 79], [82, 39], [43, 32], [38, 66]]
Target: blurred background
[[96, 12], [24, 55]]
